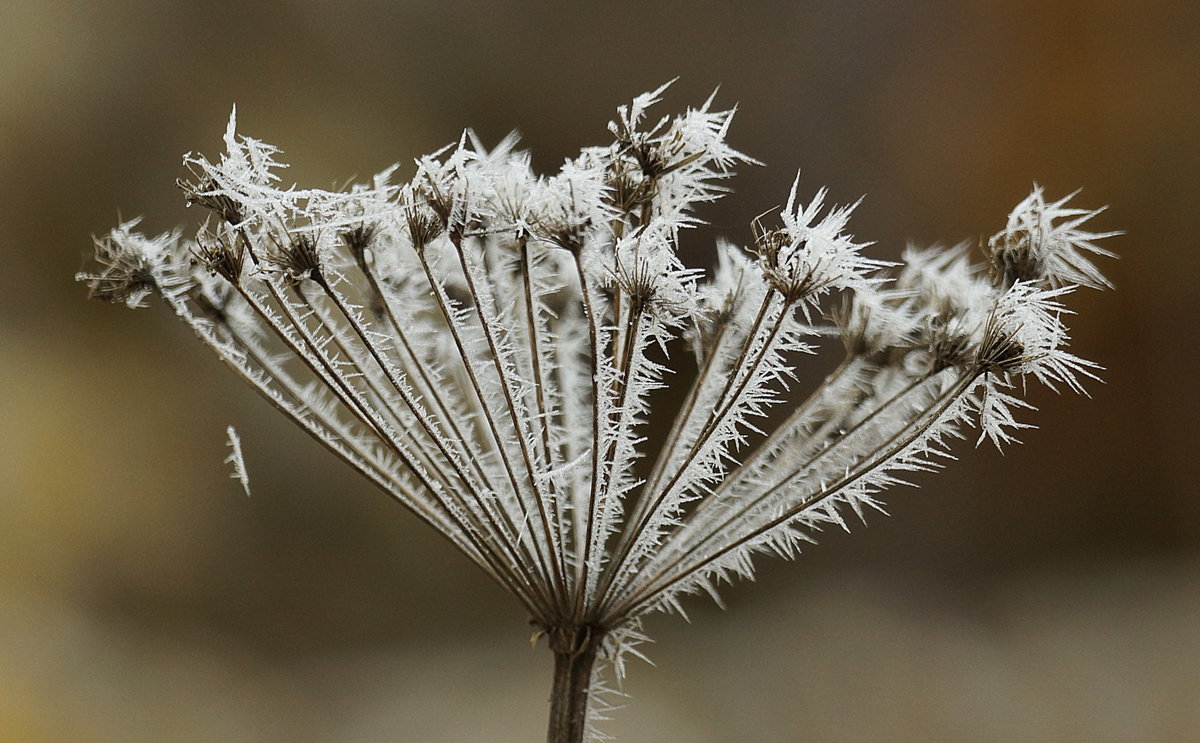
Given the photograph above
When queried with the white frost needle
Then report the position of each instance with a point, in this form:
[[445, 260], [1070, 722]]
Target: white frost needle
[[483, 343], [236, 459]]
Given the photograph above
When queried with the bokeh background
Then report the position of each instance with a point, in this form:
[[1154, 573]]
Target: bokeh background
[[1051, 593]]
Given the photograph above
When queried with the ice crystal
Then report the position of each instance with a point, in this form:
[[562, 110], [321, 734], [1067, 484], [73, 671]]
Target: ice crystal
[[235, 459]]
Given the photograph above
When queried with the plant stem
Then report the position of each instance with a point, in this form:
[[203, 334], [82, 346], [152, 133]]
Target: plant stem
[[575, 650]]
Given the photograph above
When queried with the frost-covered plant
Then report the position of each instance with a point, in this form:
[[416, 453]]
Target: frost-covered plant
[[482, 343]]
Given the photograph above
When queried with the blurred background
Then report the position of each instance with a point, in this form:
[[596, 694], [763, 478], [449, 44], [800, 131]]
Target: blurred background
[[1050, 593]]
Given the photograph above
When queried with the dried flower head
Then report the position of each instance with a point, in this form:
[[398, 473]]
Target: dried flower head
[[482, 343]]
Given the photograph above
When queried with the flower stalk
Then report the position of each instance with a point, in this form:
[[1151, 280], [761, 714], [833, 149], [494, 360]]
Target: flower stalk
[[575, 651]]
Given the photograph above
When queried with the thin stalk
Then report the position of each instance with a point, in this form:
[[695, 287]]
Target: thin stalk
[[430, 389], [630, 538], [575, 650], [620, 425], [584, 550], [661, 582], [447, 310], [438, 438], [800, 418], [554, 570], [450, 487], [727, 401], [685, 413], [339, 441], [349, 397], [711, 532], [540, 383]]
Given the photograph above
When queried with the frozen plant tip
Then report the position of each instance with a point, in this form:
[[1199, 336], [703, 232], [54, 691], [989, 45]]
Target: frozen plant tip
[[482, 343]]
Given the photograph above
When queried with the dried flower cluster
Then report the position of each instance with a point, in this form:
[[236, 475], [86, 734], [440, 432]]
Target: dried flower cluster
[[482, 343]]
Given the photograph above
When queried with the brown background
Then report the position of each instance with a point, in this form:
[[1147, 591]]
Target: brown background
[[1049, 594]]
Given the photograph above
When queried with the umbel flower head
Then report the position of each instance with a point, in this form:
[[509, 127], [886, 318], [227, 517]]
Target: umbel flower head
[[482, 343]]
